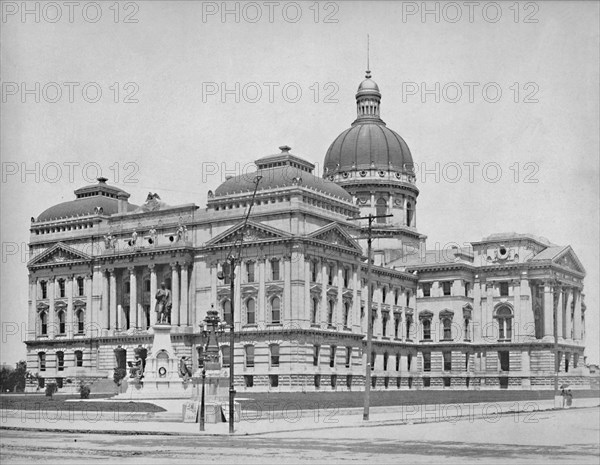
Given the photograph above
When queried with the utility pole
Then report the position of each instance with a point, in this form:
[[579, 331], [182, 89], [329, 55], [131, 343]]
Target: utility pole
[[555, 299], [233, 258], [367, 398]]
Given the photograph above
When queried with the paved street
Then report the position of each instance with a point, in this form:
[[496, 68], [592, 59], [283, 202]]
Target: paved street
[[567, 436]]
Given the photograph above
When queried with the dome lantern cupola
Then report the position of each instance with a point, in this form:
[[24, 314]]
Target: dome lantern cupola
[[368, 99]]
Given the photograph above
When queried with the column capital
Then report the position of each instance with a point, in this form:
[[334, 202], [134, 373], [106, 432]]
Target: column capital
[[152, 267], [173, 265]]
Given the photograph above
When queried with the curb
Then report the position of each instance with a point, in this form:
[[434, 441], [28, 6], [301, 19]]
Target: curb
[[370, 424]]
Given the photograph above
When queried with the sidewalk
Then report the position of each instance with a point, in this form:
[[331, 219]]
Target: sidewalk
[[288, 420]]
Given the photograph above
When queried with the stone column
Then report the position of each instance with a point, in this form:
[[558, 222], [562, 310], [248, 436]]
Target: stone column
[[115, 319], [355, 315], [577, 315], [261, 316], [527, 325], [237, 311], [69, 282], [339, 310], [153, 291], [32, 315], [286, 311], [89, 321], [518, 317], [52, 328], [105, 320], [525, 368], [324, 308], [185, 319], [174, 294], [305, 317], [548, 310], [477, 315], [133, 313], [559, 312], [568, 320], [489, 311]]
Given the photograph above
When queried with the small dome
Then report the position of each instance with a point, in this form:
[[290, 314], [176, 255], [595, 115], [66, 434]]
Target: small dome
[[89, 198], [368, 84], [281, 170]]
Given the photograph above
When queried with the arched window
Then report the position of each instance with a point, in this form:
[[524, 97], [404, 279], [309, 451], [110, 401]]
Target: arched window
[[381, 209], [60, 361], [384, 324], [314, 310], [504, 316], [226, 307], [396, 327], [61, 322], [409, 214], [373, 354], [346, 314], [330, 273], [408, 327], [427, 329], [61, 288], [44, 289], [250, 311], [275, 310], [80, 315], [78, 358], [447, 325], [42, 361], [330, 312], [80, 288], [383, 294], [346, 277], [43, 323]]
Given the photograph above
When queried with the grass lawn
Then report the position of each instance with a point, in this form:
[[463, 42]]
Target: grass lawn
[[332, 400], [58, 402]]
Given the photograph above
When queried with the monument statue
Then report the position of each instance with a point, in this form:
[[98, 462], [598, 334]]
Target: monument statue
[[184, 370], [136, 370], [163, 305]]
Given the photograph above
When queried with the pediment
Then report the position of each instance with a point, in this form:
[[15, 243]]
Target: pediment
[[254, 232], [59, 254], [568, 259], [334, 234]]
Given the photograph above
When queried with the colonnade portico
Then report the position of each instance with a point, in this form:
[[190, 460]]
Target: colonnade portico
[[135, 304], [564, 298]]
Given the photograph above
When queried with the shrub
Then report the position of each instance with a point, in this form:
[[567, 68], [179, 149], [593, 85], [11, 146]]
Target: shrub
[[84, 391], [51, 388], [118, 375]]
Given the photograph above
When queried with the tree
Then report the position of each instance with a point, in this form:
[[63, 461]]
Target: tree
[[6, 379], [13, 379]]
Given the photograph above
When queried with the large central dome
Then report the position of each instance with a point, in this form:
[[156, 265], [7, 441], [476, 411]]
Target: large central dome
[[368, 144]]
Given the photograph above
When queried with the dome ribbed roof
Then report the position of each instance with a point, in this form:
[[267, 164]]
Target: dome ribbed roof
[[368, 145]]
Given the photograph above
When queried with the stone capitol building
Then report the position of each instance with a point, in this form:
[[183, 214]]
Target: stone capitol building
[[480, 317]]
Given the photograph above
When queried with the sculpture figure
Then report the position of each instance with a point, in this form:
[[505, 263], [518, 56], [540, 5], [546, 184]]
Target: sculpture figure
[[163, 305]]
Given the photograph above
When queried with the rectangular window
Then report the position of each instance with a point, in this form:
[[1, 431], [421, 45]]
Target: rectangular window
[[317, 381], [61, 288], [426, 382], [80, 290], [503, 289], [249, 381], [503, 355], [274, 380], [225, 356], [314, 271], [42, 361], [274, 355], [348, 356], [409, 361], [249, 356], [447, 288], [426, 289], [349, 381], [333, 381], [330, 271], [250, 272], [373, 355], [332, 356], [567, 358], [316, 350], [275, 275], [467, 289], [44, 288], [426, 361], [78, 358], [397, 362], [447, 360], [60, 361]]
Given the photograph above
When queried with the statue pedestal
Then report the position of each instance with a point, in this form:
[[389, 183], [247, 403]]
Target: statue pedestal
[[216, 395], [161, 378]]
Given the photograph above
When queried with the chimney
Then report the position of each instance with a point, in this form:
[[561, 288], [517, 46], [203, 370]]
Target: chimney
[[122, 202]]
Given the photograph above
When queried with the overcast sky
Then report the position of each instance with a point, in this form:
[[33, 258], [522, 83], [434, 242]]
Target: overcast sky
[[167, 119]]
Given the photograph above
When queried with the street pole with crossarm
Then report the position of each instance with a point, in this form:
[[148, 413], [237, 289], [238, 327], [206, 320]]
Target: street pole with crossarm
[[233, 258], [367, 398]]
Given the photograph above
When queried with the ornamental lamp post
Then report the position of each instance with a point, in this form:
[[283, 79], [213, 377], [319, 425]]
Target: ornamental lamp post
[[211, 328]]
